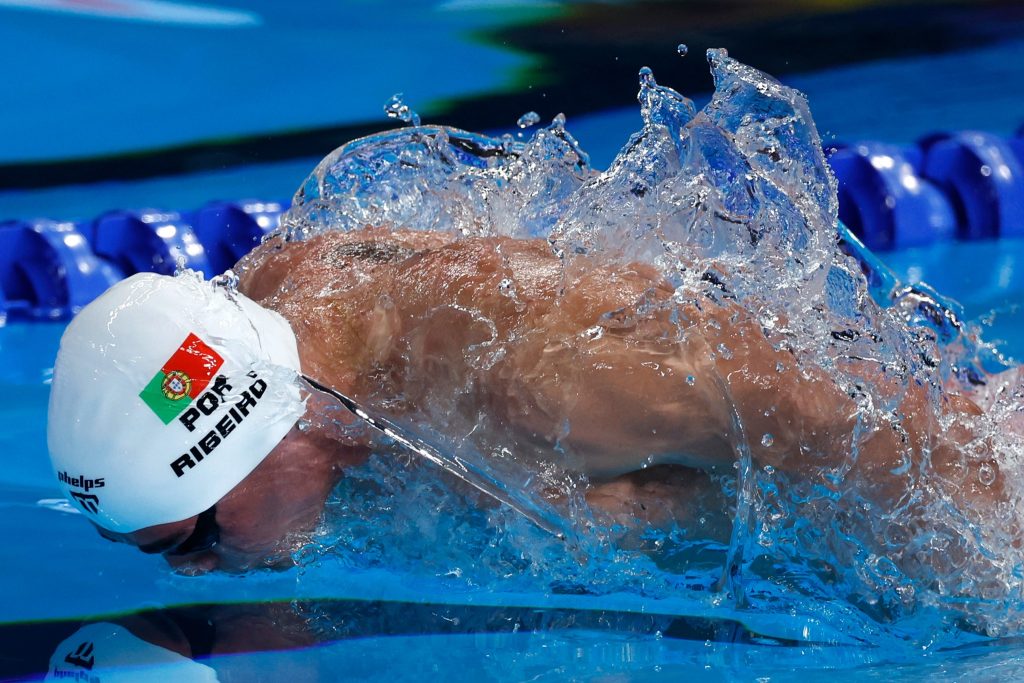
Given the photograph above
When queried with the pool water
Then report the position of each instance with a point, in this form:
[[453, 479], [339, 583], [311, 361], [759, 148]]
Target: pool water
[[385, 624], [72, 574]]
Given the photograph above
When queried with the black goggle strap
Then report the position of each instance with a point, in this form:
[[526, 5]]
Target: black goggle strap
[[205, 535], [537, 512]]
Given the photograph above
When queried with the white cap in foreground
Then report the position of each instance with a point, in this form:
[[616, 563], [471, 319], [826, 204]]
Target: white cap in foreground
[[108, 652], [167, 392]]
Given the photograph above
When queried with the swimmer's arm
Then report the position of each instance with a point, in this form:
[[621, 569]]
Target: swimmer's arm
[[815, 427], [689, 402], [620, 396], [628, 404], [647, 391]]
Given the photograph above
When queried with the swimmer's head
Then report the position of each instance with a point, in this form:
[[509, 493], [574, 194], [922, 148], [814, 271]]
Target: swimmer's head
[[167, 392]]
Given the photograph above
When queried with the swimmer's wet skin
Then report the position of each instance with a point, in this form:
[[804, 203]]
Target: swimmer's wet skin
[[178, 401]]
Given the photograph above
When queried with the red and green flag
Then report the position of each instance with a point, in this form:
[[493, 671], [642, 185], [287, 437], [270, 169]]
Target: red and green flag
[[182, 378]]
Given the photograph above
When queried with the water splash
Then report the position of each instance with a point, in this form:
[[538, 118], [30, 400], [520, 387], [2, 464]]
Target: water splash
[[530, 118], [735, 208], [396, 108], [437, 178]]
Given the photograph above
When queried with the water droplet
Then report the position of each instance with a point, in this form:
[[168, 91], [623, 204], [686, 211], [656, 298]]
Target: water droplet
[[396, 108], [228, 280], [987, 474], [691, 380], [530, 118], [985, 170], [767, 440], [647, 77], [681, 49]]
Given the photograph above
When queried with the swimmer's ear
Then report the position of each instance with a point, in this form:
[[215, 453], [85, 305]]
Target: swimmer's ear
[[383, 329]]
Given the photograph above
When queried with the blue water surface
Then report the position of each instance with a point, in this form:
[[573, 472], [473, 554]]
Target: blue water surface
[[63, 570], [55, 565], [90, 83]]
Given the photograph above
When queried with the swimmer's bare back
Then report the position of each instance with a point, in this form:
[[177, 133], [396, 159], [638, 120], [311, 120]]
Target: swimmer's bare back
[[405, 318], [385, 314]]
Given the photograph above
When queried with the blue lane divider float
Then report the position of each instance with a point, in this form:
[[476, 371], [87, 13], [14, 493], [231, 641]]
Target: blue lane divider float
[[50, 270], [47, 270], [885, 201], [149, 240], [967, 185], [983, 177], [229, 230]]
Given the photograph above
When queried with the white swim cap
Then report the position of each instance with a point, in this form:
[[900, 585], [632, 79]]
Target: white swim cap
[[107, 652], [167, 392]]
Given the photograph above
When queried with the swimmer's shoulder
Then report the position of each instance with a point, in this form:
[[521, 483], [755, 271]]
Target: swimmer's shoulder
[[329, 255], [377, 253], [375, 245]]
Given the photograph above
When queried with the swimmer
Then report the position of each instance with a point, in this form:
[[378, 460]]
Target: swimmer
[[176, 424]]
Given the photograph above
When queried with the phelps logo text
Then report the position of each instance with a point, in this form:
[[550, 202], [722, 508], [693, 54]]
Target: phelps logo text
[[81, 482], [181, 379]]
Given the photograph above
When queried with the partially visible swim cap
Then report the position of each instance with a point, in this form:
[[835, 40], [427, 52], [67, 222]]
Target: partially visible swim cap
[[167, 392], [108, 652]]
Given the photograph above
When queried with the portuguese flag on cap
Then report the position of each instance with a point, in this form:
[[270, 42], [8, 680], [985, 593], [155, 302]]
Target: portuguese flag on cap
[[182, 378]]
